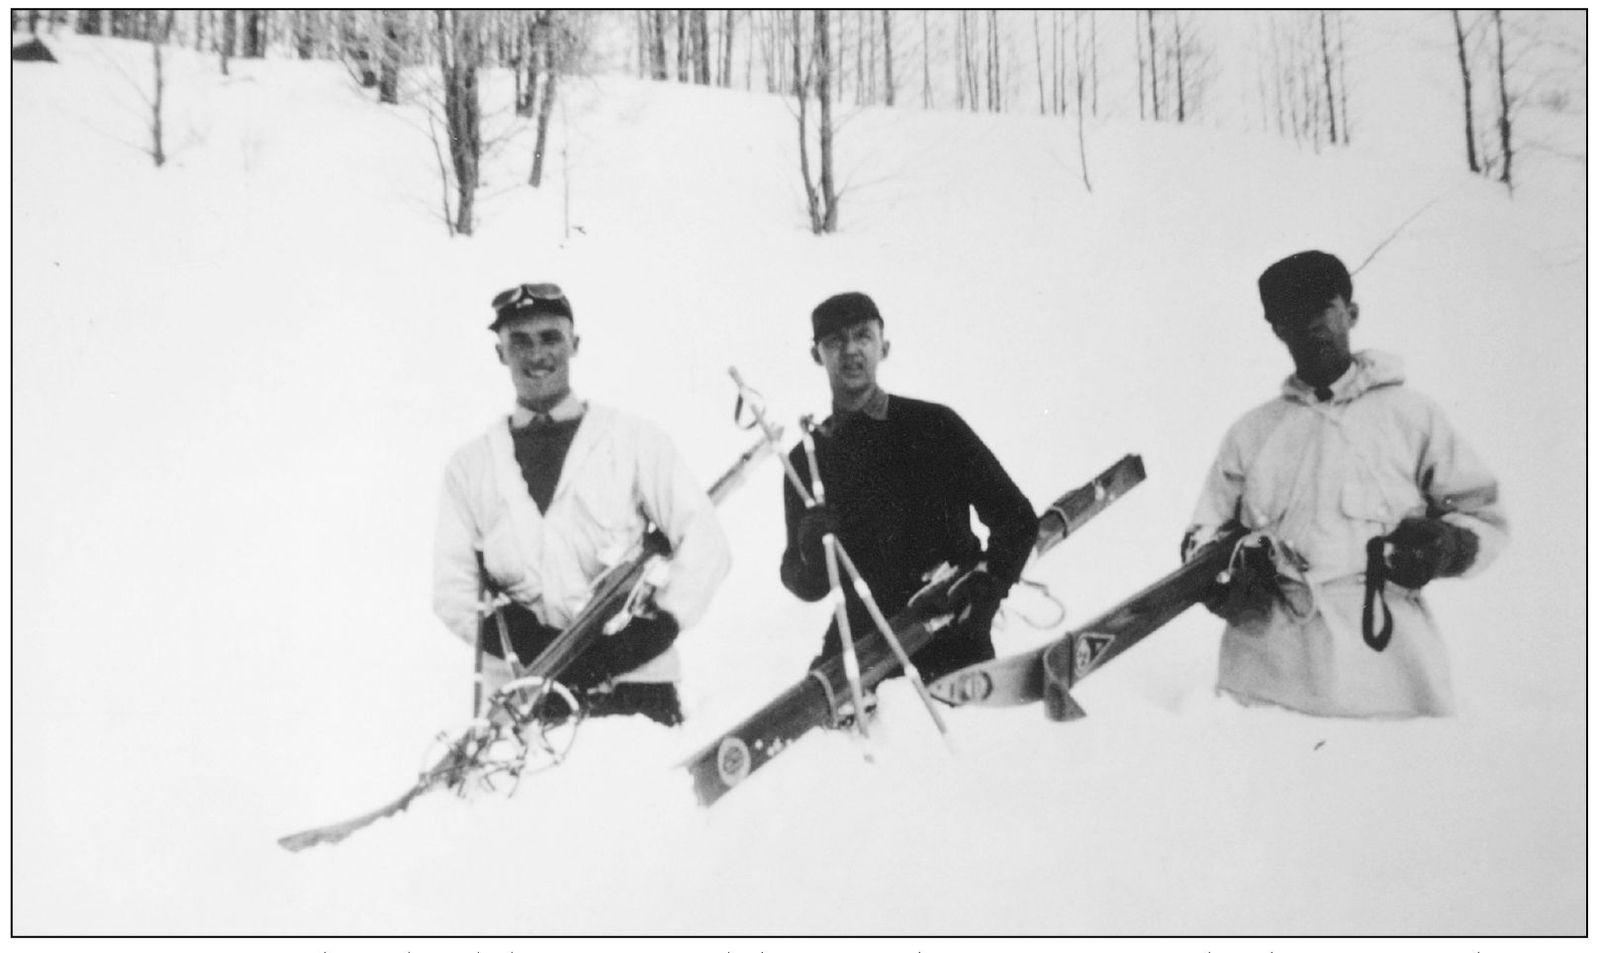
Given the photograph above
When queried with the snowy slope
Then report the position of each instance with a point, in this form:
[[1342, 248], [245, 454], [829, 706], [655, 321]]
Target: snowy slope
[[236, 380]]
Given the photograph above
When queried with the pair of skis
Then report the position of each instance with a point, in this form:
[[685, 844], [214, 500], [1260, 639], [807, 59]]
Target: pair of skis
[[497, 744], [823, 696], [1049, 673]]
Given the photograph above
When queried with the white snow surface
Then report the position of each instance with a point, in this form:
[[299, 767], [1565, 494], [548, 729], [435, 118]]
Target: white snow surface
[[237, 379]]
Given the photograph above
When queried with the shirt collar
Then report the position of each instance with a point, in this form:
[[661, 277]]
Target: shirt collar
[[570, 408], [876, 407]]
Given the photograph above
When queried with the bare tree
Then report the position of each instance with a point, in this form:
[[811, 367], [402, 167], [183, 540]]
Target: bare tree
[[255, 33], [926, 63], [1037, 45], [821, 197], [1326, 67], [460, 55], [157, 100], [1137, 34], [699, 24], [390, 55], [1470, 111], [230, 37], [551, 57], [1505, 131], [1081, 84], [1154, 68], [887, 54]]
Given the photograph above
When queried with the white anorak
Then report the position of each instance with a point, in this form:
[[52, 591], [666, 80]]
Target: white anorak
[[1320, 479], [620, 474]]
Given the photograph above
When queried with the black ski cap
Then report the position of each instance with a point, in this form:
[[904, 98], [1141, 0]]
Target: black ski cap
[[1303, 282], [840, 311], [529, 301]]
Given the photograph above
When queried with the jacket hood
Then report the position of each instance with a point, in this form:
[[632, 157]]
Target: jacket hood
[[1371, 369]]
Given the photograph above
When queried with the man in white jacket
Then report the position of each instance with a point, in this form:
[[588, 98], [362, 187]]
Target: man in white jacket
[[547, 499], [1357, 493]]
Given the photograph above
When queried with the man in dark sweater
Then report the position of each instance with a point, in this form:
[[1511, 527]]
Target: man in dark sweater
[[901, 477]]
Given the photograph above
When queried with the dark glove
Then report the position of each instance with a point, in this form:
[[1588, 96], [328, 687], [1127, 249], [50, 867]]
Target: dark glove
[[1421, 549], [814, 526], [981, 592], [640, 641], [1248, 588]]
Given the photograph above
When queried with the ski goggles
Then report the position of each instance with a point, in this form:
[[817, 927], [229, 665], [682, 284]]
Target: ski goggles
[[528, 300]]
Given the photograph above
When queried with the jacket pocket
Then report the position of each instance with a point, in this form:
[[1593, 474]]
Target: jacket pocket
[[1364, 500]]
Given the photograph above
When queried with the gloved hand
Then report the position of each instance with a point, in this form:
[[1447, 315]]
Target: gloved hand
[[981, 592], [641, 640], [1421, 549], [814, 526], [1249, 588]]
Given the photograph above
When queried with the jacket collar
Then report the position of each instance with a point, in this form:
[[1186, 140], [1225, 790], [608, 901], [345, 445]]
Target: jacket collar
[[1370, 369], [570, 408]]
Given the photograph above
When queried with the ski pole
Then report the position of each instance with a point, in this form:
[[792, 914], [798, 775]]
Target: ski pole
[[835, 555], [773, 434], [864, 592], [829, 543], [851, 662]]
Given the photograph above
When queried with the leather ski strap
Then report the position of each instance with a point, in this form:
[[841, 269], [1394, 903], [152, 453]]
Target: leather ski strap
[[1375, 586]]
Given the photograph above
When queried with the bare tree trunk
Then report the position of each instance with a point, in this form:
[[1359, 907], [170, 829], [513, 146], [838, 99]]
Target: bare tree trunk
[[829, 193], [1137, 33], [995, 87], [1342, 83], [1470, 111], [657, 49], [1154, 67], [157, 130], [1505, 132], [1326, 67], [802, 85], [546, 106], [699, 22], [460, 54], [1093, 41], [1181, 77], [255, 25], [887, 54], [1037, 44], [230, 37], [1081, 84], [926, 63], [390, 49], [682, 45]]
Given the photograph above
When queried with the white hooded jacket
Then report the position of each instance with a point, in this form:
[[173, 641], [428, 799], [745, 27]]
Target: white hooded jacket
[[1321, 478], [620, 473]]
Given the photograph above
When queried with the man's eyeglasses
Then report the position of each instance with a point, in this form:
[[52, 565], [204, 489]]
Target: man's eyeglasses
[[523, 295]]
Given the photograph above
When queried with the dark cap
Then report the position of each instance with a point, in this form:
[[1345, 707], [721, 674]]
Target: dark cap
[[529, 301], [1303, 282], [840, 311]]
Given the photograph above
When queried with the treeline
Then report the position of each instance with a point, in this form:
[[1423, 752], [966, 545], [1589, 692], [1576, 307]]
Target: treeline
[[1158, 65]]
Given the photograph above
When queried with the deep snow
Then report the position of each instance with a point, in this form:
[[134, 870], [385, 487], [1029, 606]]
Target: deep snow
[[236, 381]]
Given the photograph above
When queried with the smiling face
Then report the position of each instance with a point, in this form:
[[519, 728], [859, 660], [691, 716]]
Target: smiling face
[[538, 351], [1318, 339], [851, 355]]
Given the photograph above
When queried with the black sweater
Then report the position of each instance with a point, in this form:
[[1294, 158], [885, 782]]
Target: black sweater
[[903, 489]]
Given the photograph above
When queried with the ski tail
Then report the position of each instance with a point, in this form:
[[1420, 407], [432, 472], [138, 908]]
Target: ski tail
[[1067, 514]]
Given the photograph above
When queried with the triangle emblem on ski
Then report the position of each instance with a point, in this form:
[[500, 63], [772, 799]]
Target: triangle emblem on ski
[[1090, 647]]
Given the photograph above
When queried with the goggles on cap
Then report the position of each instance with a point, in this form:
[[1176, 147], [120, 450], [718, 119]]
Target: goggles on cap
[[523, 295]]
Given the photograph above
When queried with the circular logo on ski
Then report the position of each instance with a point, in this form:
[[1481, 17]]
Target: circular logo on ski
[[1084, 654], [732, 761], [975, 687]]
